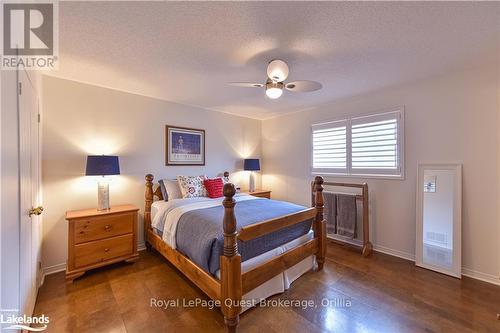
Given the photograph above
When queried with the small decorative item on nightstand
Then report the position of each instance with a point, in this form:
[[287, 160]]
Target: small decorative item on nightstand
[[99, 238], [261, 194]]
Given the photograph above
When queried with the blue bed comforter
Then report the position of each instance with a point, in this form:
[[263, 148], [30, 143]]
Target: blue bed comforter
[[200, 235]]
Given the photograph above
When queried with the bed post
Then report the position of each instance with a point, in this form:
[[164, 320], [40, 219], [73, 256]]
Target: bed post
[[319, 222], [147, 209], [230, 264]]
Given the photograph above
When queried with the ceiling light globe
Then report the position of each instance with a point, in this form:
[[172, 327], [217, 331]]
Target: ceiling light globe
[[274, 93], [277, 70]]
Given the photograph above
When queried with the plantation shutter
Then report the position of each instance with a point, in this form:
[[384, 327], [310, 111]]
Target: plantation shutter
[[376, 144], [329, 147]]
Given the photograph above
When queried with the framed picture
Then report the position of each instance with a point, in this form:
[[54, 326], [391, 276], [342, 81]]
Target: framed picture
[[184, 146]]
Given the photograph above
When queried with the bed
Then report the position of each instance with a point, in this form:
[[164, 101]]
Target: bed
[[236, 255]]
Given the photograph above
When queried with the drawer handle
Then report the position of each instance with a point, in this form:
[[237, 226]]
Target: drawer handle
[[107, 227], [106, 249]]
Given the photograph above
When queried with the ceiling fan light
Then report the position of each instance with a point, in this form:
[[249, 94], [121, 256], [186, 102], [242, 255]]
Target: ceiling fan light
[[274, 93], [277, 70]]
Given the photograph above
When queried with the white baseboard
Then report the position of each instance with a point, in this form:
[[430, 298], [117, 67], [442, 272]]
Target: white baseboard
[[465, 271], [51, 270], [394, 253], [481, 276], [141, 246]]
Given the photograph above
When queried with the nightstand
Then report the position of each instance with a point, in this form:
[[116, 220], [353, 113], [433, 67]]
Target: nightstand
[[261, 194], [99, 238]]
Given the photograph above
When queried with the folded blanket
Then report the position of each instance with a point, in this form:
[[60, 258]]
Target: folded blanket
[[346, 215]]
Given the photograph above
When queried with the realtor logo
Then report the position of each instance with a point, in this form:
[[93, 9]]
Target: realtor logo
[[29, 37], [12, 321]]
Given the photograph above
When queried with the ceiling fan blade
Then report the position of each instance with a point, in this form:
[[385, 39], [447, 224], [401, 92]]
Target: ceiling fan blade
[[303, 86], [246, 84], [277, 70]]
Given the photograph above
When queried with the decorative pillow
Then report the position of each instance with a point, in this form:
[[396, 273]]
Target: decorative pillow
[[192, 186], [170, 189], [214, 187]]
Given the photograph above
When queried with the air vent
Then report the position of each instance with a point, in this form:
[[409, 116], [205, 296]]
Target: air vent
[[436, 237]]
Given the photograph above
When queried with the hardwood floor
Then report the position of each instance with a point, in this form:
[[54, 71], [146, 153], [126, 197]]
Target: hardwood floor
[[378, 294]]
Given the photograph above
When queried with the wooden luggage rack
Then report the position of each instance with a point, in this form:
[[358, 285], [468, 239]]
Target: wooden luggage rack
[[367, 246]]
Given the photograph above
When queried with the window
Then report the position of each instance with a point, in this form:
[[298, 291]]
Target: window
[[364, 146], [330, 147]]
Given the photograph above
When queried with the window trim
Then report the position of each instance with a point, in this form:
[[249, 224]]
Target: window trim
[[365, 173]]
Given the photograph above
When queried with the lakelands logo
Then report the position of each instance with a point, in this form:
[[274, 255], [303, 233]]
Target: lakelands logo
[[30, 34], [10, 320]]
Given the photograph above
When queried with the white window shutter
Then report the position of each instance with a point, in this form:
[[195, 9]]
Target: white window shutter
[[376, 144], [363, 146], [329, 147]]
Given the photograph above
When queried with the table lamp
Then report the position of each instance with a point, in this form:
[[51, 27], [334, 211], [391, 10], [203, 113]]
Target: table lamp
[[251, 164], [102, 165]]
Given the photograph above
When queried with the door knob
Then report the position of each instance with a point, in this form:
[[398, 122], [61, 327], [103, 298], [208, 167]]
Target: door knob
[[36, 211]]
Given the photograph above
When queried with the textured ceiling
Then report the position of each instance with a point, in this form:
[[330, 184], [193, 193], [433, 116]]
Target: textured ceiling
[[186, 52]]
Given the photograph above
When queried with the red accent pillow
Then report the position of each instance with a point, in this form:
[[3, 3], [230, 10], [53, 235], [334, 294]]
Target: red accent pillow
[[214, 187]]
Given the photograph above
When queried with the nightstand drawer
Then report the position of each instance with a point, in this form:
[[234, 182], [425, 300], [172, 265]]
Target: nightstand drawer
[[102, 250], [261, 194], [103, 227]]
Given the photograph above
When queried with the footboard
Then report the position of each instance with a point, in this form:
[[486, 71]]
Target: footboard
[[234, 284]]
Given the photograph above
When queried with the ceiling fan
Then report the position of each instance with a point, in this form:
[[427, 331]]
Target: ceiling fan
[[277, 72]]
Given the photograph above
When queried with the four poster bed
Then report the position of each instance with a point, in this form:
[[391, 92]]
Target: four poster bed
[[233, 265]]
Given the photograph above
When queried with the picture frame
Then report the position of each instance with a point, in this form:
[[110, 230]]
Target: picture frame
[[184, 146]]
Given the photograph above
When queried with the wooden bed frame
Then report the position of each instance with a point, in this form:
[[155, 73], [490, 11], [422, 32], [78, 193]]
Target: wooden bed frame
[[233, 284]]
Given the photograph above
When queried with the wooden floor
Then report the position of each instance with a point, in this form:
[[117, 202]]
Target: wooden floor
[[386, 294]]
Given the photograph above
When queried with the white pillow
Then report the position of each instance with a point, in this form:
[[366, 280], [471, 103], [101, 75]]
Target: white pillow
[[170, 189], [192, 186]]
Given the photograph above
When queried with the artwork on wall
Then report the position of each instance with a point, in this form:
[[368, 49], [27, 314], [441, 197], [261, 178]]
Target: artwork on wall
[[184, 146]]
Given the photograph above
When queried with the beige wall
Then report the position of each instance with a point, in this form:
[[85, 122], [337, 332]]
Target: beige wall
[[454, 118], [80, 119]]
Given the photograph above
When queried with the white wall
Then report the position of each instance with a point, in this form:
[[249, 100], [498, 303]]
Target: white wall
[[81, 119], [453, 118]]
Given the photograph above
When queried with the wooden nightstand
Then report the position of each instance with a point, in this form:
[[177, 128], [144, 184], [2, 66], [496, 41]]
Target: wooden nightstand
[[97, 238], [261, 194]]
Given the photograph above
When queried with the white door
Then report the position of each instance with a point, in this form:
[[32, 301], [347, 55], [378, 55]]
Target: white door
[[29, 174]]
